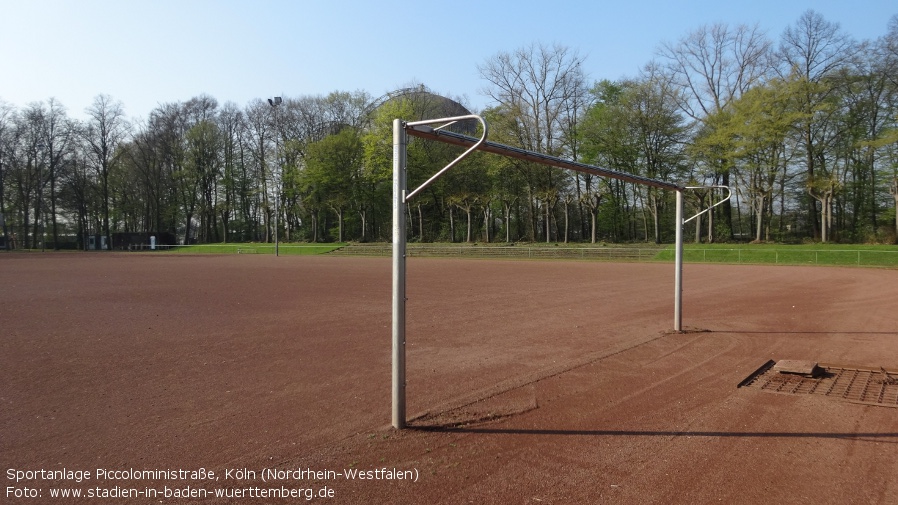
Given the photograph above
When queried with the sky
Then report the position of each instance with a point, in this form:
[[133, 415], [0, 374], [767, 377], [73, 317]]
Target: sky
[[153, 52]]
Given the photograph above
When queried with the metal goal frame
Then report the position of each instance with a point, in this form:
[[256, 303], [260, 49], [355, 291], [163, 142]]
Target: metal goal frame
[[401, 196]]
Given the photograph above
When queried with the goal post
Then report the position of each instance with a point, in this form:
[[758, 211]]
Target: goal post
[[400, 141], [401, 196]]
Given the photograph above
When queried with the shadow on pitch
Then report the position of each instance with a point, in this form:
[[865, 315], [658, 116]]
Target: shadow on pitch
[[798, 332], [859, 436]]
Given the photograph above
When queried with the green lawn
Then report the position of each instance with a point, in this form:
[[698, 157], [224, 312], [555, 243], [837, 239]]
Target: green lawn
[[773, 254], [808, 254]]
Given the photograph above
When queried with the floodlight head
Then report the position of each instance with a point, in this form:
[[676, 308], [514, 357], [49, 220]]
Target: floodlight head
[[277, 100]]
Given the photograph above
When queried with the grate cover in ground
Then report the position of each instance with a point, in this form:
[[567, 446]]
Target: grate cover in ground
[[862, 385]]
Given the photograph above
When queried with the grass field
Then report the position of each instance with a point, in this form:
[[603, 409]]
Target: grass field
[[810, 254], [755, 254]]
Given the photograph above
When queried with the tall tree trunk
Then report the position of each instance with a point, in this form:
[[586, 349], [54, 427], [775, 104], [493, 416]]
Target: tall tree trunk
[[507, 207], [594, 214], [53, 209], [759, 226], [224, 226], [566, 220], [451, 224], [698, 229], [106, 231], [421, 222], [363, 214], [893, 189], [339, 224], [534, 217]]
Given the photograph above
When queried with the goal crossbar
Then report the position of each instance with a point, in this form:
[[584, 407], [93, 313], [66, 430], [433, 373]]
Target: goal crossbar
[[426, 132]]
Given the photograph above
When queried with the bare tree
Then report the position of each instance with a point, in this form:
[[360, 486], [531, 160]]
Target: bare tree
[[810, 52], [710, 68], [58, 139], [29, 171], [890, 45], [106, 129], [260, 139], [540, 83], [538, 86], [814, 48], [715, 65], [235, 187], [6, 124], [202, 142], [78, 191]]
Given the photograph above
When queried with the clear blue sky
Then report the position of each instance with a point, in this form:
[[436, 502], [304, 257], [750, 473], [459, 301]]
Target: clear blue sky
[[158, 51]]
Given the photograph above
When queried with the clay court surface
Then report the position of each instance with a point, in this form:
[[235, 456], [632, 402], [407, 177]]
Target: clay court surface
[[528, 381]]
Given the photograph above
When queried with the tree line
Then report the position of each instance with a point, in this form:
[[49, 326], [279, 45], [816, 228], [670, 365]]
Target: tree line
[[804, 129]]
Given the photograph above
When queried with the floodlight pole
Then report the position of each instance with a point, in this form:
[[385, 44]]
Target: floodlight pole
[[400, 141], [277, 193]]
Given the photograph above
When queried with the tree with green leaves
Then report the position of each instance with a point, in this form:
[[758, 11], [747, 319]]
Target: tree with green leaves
[[759, 125], [636, 127], [334, 171], [606, 141]]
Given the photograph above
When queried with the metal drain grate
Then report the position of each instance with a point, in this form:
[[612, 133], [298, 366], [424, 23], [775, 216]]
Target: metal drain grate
[[862, 385]]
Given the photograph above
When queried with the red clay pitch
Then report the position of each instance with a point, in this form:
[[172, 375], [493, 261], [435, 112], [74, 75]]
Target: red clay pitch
[[528, 382]]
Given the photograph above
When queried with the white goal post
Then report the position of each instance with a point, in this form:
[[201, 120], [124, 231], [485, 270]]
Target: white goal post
[[401, 196]]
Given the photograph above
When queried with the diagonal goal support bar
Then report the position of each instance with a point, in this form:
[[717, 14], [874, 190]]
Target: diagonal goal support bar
[[449, 120], [721, 201]]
